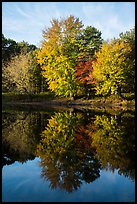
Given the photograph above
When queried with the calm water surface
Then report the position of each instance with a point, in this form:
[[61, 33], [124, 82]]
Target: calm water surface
[[68, 155]]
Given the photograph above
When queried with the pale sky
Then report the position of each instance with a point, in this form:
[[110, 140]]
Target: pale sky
[[26, 20]]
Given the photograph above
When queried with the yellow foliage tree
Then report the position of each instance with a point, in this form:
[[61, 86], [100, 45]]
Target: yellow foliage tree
[[113, 66], [20, 73], [58, 56]]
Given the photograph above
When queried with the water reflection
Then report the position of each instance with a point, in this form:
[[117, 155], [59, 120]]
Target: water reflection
[[73, 145], [20, 135], [67, 156], [114, 141]]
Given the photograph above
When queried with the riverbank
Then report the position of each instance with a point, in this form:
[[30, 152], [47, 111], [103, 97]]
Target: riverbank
[[48, 100]]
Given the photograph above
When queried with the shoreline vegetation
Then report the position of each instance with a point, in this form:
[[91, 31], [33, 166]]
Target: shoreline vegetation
[[74, 66], [48, 100]]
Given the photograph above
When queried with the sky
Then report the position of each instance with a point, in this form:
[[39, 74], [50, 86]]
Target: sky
[[26, 20]]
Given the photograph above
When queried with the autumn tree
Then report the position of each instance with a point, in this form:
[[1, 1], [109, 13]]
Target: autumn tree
[[10, 49], [64, 46], [91, 42], [113, 66], [129, 36], [58, 55], [85, 76], [19, 73]]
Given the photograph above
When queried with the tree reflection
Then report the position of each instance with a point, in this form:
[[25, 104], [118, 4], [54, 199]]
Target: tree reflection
[[114, 140], [73, 146], [66, 163], [20, 135]]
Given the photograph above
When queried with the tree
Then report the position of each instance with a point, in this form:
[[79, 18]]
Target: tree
[[25, 47], [64, 45], [10, 49], [113, 67], [84, 75], [40, 84], [91, 42], [19, 73], [129, 37], [58, 56]]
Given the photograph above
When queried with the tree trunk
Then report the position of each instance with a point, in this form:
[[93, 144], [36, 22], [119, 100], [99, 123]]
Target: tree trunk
[[71, 96]]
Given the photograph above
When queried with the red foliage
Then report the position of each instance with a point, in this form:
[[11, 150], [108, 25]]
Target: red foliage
[[84, 72], [82, 139]]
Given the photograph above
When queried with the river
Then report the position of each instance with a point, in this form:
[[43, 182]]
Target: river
[[68, 155]]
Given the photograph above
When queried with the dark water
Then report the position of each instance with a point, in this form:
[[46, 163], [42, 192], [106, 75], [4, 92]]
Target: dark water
[[68, 155]]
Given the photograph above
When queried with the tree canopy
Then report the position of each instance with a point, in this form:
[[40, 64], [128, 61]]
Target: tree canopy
[[113, 67], [72, 61], [64, 45], [19, 73], [11, 48]]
